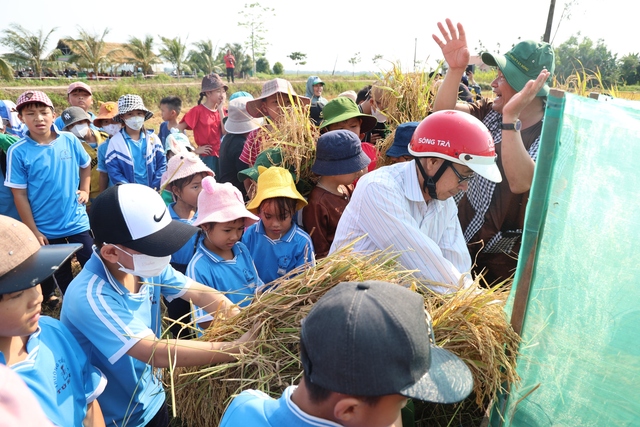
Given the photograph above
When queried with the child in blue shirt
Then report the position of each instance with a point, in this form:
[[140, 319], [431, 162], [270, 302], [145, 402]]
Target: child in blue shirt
[[41, 350], [276, 243], [113, 310], [365, 349], [49, 174], [222, 261], [7, 205], [170, 107], [183, 179], [135, 155]]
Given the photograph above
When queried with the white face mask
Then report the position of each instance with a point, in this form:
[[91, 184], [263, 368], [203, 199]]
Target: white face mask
[[112, 129], [135, 122], [378, 115], [80, 130], [145, 265]]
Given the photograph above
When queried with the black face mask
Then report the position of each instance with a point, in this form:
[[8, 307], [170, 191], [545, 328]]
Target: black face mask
[[429, 182]]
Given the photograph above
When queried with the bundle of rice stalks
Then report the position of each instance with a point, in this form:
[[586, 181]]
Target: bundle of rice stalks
[[471, 324], [405, 97], [296, 137]]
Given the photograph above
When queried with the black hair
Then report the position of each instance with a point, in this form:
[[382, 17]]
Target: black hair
[[202, 95], [26, 104], [363, 94], [282, 206], [173, 102], [183, 182], [319, 394]]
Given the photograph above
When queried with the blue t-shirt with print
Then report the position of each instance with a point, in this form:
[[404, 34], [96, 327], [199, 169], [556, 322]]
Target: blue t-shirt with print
[[51, 175], [58, 373], [107, 320]]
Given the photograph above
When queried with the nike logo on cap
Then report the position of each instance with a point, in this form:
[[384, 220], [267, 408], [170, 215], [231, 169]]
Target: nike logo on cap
[[155, 217]]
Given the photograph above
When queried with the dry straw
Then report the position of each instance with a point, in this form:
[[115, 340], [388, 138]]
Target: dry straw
[[470, 323], [296, 136], [406, 97]]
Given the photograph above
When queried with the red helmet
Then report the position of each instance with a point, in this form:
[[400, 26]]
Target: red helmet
[[458, 137]]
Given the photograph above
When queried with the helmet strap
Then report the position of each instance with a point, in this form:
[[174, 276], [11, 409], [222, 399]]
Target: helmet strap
[[429, 182]]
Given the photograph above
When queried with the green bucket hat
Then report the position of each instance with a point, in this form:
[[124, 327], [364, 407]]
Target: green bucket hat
[[343, 108], [268, 158], [523, 63]]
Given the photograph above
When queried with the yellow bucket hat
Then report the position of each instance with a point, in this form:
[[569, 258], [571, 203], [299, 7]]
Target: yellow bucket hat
[[275, 182]]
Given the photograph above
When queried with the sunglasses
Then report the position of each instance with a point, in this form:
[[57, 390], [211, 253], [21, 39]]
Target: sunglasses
[[461, 178]]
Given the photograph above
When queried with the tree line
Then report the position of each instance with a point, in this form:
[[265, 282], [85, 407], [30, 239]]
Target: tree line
[[90, 52]]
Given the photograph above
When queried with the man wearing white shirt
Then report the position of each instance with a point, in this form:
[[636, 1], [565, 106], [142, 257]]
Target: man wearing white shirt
[[409, 207]]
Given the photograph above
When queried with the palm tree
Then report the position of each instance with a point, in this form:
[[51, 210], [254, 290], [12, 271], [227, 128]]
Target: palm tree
[[142, 53], [173, 50], [202, 57], [6, 70], [90, 49], [28, 47]]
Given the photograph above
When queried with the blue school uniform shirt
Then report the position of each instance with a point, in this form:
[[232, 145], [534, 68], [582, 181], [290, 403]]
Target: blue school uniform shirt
[[138, 150], [185, 253], [236, 278], [51, 175], [102, 154], [163, 133], [275, 258], [256, 409], [58, 373], [107, 321]]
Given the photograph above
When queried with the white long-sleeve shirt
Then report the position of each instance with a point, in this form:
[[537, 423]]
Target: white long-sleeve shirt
[[389, 208]]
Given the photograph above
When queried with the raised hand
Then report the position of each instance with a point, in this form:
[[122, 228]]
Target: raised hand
[[520, 100], [454, 47]]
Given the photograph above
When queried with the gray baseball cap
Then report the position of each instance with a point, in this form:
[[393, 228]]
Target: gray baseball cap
[[73, 115], [374, 339]]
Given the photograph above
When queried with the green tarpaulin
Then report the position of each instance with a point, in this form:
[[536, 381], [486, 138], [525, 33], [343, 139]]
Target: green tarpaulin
[[580, 357]]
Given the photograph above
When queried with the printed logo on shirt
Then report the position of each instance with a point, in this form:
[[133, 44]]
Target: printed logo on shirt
[[61, 375], [65, 155]]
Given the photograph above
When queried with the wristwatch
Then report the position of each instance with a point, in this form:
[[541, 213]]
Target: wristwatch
[[517, 126]]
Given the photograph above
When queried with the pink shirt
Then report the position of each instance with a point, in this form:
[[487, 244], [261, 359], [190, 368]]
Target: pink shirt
[[206, 126], [18, 406]]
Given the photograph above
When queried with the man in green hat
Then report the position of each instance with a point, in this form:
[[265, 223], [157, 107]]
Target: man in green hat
[[492, 215]]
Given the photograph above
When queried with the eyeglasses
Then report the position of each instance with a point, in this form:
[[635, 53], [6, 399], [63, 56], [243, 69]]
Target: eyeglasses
[[461, 178]]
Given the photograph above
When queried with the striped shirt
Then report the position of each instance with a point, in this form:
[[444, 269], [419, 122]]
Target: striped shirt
[[388, 207]]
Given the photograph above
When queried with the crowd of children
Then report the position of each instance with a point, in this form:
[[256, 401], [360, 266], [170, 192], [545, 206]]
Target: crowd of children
[[89, 185]]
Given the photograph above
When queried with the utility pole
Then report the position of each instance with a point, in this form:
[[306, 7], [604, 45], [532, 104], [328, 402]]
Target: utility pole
[[547, 32]]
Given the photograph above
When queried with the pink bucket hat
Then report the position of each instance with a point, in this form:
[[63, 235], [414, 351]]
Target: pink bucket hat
[[272, 87], [183, 165], [221, 203]]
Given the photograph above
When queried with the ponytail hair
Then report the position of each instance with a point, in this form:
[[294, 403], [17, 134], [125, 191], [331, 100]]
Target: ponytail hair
[[202, 95]]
